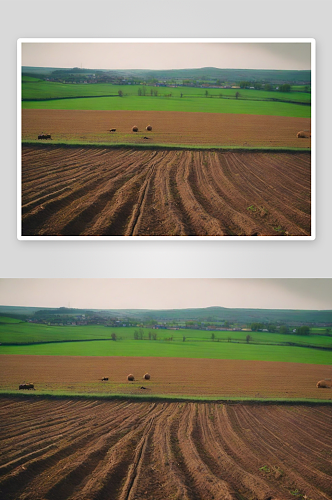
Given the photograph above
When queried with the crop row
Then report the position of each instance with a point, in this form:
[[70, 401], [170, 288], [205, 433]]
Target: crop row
[[100, 192], [109, 450]]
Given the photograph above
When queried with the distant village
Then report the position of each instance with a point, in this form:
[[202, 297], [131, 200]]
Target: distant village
[[104, 320], [170, 83]]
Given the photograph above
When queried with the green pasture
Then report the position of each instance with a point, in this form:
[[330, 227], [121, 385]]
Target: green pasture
[[37, 333], [30, 79], [5, 319], [29, 333], [320, 330], [105, 97], [198, 105], [177, 349], [33, 88], [95, 340]]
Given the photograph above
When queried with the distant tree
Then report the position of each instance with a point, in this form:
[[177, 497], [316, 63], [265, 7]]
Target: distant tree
[[248, 338], [268, 86], [139, 91], [229, 339], [113, 336], [255, 327], [213, 336], [181, 95], [136, 335], [284, 329], [183, 338], [303, 330], [271, 328], [141, 334], [206, 93], [190, 324], [154, 336], [150, 335], [120, 93], [285, 87], [220, 95], [327, 331], [237, 95], [155, 92]]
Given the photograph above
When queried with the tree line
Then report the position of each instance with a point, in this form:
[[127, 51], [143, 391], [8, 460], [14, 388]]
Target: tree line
[[284, 329]]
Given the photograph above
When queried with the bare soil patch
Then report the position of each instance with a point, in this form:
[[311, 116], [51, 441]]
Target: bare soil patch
[[168, 127], [169, 376], [94, 450], [84, 191]]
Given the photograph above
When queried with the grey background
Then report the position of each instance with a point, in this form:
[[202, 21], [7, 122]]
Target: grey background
[[183, 19]]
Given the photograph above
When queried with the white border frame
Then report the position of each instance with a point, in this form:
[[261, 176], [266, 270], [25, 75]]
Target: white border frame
[[312, 41]]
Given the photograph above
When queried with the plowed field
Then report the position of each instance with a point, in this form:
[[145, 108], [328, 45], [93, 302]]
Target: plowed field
[[126, 192], [168, 127], [94, 450], [220, 378]]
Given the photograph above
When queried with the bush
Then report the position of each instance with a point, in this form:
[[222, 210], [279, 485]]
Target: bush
[[303, 330]]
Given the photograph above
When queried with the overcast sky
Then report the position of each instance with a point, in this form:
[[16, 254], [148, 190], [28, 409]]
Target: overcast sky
[[168, 293], [161, 55]]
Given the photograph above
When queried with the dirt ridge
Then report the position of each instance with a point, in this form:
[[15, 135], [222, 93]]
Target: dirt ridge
[[128, 192], [190, 451]]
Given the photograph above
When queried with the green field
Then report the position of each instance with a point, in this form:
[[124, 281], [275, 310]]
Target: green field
[[198, 105], [38, 89], [93, 97], [177, 349], [36, 333], [95, 341], [6, 319]]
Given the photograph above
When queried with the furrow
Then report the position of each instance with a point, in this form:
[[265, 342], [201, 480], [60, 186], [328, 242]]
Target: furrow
[[206, 482]]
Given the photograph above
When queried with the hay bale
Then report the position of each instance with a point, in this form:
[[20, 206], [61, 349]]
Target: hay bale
[[130, 377], [303, 134], [134, 129], [322, 384], [146, 376], [149, 128], [28, 385]]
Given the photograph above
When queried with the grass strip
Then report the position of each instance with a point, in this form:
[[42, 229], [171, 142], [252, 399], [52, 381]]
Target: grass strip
[[166, 398], [126, 145]]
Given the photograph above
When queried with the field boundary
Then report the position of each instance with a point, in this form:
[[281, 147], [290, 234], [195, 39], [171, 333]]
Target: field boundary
[[222, 341], [165, 147], [162, 398], [188, 96]]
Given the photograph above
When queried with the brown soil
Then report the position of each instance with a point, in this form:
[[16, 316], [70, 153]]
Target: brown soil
[[127, 192], [168, 127], [93, 450], [169, 376]]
